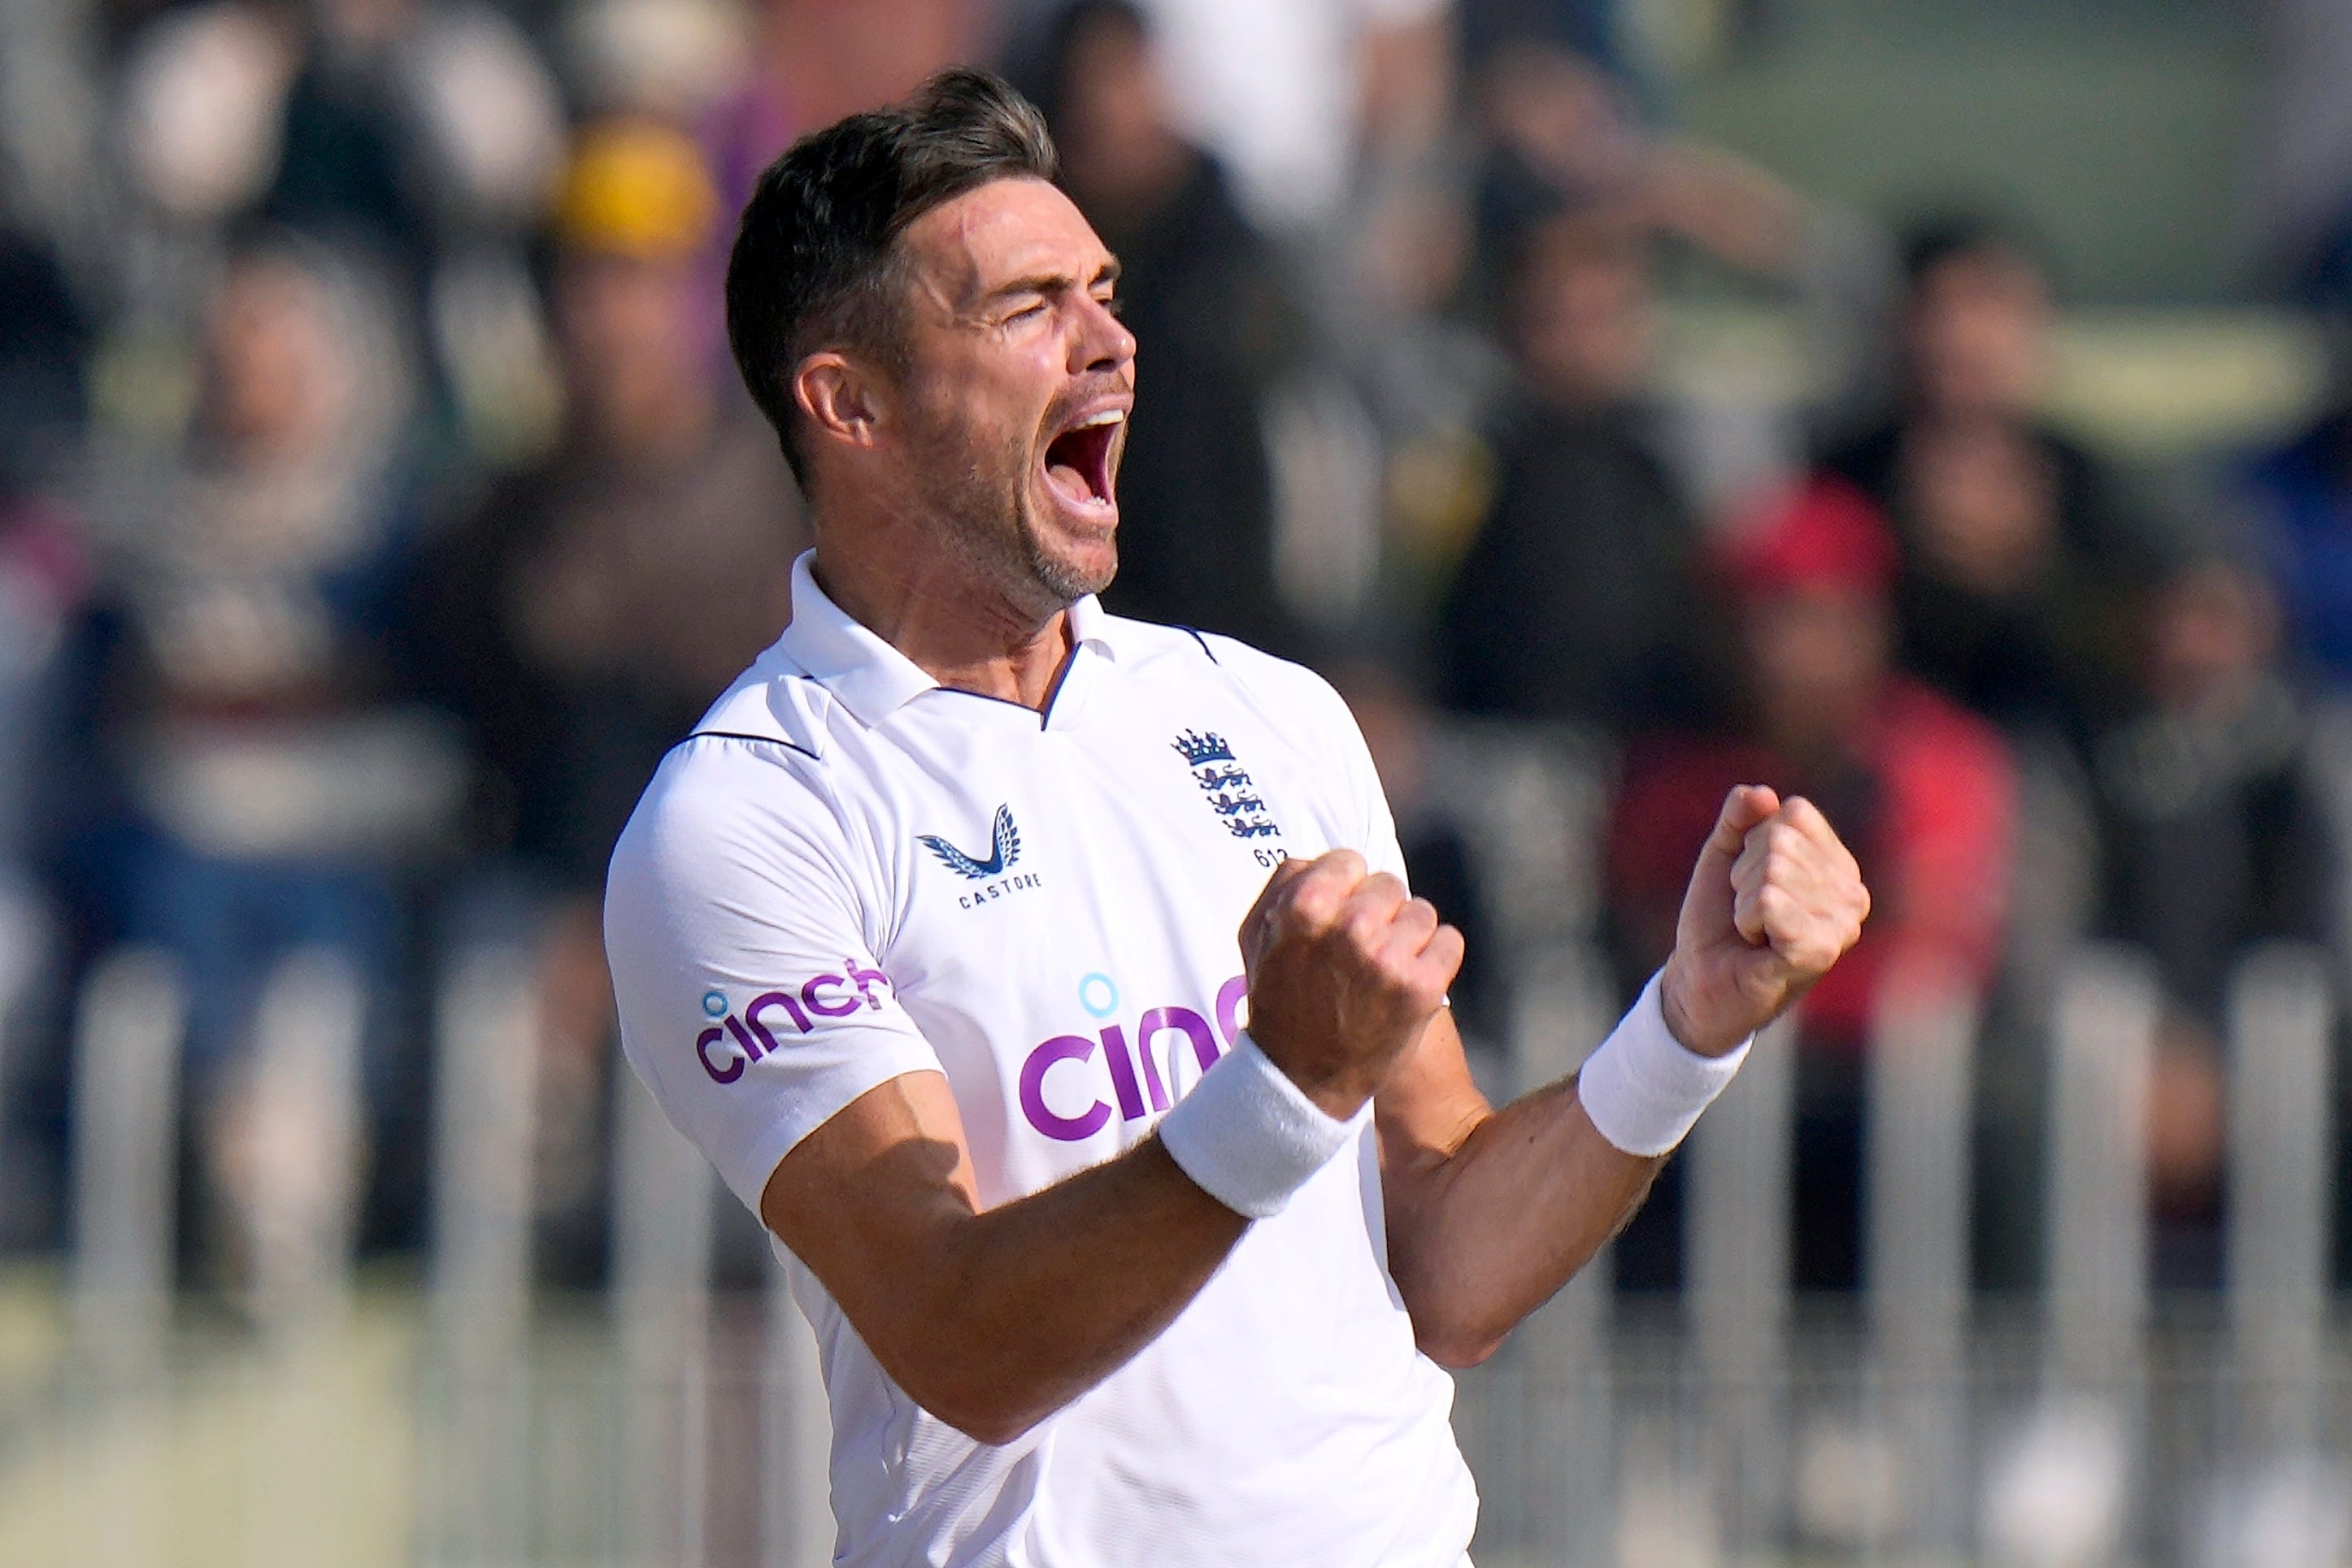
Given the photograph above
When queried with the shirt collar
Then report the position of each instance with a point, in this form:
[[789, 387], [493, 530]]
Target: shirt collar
[[1091, 626], [870, 677]]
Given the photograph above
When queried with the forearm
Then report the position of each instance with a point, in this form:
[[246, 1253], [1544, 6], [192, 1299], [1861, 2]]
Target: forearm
[[993, 1319], [1051, 1294], [1489, 1213], [1482, 1236]]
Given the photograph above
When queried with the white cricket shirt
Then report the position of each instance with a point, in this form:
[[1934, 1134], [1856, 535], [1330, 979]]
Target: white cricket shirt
[[848, 873]]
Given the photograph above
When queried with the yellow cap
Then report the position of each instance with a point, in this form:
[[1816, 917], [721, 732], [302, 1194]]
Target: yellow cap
[[637, 188]]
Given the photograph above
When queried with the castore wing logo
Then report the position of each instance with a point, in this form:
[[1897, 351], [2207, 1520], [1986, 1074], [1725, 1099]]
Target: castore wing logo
[[1005, 847]]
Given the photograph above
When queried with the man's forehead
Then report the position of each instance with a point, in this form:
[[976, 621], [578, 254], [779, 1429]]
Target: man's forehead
[[1003, 233]]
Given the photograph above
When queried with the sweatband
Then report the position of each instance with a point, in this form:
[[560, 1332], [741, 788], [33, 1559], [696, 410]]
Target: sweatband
[[1643, 1089], [1248, 1136]]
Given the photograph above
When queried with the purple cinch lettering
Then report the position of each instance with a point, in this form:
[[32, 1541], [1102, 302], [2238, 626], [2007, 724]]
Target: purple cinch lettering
[[752, 1050], [826, 1009], [1122, 1072], [702, 1044], [863, 979], [767, 999], [1184, 1020], [1068, 1129], [1229, 997]]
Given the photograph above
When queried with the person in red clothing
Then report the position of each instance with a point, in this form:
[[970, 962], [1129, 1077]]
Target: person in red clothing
[[1924, 792]]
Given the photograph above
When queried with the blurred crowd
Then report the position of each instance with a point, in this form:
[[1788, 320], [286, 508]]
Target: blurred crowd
[[377, 506]]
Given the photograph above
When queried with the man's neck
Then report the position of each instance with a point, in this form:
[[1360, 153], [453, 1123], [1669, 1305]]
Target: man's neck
[[954, 624]]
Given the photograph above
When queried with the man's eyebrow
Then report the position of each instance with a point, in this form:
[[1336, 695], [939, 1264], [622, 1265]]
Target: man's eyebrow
[[1053, 282]]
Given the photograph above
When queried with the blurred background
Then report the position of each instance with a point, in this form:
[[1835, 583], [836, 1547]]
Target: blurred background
[[1942, 407]]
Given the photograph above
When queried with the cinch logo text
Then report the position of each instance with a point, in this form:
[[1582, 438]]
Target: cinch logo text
[[1085, 1059], [743, 1040]]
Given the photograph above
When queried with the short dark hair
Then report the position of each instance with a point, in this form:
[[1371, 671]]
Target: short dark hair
[[814, 261], [1961, 234]]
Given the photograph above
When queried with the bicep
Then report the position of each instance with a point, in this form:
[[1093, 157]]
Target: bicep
[[867, 1200], [752, 1003]]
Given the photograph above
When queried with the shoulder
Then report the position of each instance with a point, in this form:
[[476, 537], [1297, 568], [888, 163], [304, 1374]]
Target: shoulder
[[1281, 689], [749, 791], [1304, 712], [720, 809]]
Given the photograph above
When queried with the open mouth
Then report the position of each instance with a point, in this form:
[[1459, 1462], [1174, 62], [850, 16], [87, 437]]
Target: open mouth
[[1077, 461]]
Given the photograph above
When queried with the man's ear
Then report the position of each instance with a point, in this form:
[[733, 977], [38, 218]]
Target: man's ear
[[842, 399]]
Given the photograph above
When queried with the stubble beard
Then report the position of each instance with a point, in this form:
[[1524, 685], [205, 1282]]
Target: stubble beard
[[986, 504]]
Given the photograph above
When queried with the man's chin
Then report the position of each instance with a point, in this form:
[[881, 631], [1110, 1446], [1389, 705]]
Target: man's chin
[[1072, 568]]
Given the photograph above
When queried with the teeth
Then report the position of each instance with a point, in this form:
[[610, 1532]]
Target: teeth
[[1108, 416]]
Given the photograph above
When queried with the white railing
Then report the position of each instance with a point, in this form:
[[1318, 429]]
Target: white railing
[[661, 1424]]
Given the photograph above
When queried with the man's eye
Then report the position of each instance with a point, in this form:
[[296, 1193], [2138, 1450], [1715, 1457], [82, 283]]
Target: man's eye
[[1027, 312], [1115, 303]]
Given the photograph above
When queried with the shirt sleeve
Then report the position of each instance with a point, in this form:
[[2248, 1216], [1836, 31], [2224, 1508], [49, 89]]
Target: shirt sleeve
[[752, 1001], [1363, 800]]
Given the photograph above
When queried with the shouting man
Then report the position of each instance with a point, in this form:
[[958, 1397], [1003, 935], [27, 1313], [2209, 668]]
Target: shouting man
[[1047, 982]]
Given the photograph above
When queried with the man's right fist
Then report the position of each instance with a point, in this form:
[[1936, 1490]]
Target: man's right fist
[[1345, 972]]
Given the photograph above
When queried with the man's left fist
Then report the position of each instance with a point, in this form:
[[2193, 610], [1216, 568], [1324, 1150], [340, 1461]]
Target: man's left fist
[[1775, 900]]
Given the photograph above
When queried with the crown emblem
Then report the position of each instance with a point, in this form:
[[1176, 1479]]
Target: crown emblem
[[1198, 750]]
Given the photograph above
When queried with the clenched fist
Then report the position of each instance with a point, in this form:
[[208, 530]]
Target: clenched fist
[[1345, 972], [1775, 900]]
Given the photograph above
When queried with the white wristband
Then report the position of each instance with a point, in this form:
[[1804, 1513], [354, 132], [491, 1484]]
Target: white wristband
[[1249, 1137], [1643, 1089]]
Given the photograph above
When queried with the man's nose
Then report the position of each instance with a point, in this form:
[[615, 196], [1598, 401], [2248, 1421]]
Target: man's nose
[[1102, 341]]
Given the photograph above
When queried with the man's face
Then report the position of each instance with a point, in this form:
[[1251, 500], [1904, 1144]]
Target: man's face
[[1588, 331], [278, 379], [1017, 385], [1980, 335], [630, 333], [1818, 657]]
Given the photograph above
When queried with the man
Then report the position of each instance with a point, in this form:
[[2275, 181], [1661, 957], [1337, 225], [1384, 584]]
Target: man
[[2022, 550], [1572, 601], [927, 926]]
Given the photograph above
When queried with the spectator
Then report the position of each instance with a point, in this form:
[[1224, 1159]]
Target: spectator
[[427, 130], [2216, 834], [2020, 557], [1205, 298], [2214, 830], [1552, 125], [246, 694], [1293, 98], [402, 122], [593, 607], [1576, 599], [1925, 792]]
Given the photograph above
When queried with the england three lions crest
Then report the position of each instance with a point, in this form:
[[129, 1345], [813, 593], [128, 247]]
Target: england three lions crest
[[1225, 785]]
